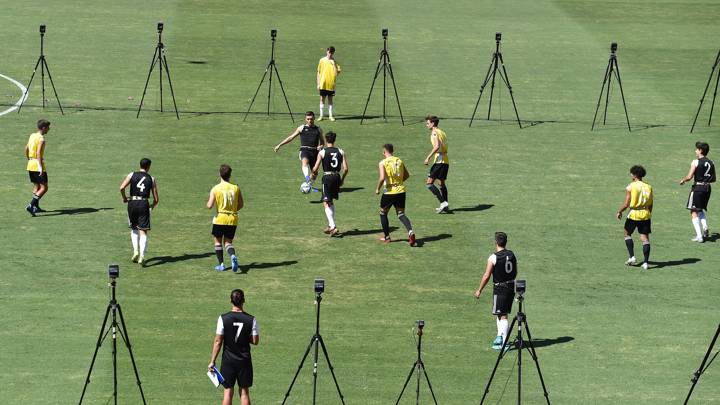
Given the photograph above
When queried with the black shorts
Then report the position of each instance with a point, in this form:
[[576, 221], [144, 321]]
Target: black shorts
[[503, 296], [238, 372], [139, 214], [439, 171], [699, 197], [643, 227], [37, 178], [327, 92], [392, 200], [330, 187], [224, 231], [310, 154]]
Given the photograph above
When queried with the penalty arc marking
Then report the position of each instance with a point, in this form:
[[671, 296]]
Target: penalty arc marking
[[22, 99]]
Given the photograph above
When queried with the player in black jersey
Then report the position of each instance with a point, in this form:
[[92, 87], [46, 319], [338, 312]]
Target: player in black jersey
[[335, 168], [311, 141], [142, 185], [235, 332], [702, 172], [502, 265]]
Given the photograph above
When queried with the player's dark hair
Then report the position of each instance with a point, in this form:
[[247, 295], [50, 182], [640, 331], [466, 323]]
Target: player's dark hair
[[330, 137], [309, 114], [237, 297], [331, 49], [501, 239], [225, 172], [389, 147], [704, 147], [42, 124], [638, 171], [435, 120], [145, 163]]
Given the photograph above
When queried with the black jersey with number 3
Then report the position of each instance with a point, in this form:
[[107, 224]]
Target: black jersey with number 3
[[505, 268], [237, 328], [141, 184], [705, 171], [333, 160]]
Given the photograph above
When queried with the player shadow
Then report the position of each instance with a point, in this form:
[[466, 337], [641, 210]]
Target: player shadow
[[670, 263], [160, 260], [358, 232], [547, 342], [713, 237], [350, 189], [479, 207], [422, 241], [245, 268], [73, 211]]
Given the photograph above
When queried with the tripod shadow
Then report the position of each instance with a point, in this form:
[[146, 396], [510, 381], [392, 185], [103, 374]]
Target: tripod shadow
[[670, 263], [422, 241], [479, 207], [350, 189], [73, 211], [549, 342], [358, 232], [160, 260], [245, 268]]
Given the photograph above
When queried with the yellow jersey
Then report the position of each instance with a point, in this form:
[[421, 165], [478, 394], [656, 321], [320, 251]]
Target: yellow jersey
[[641, 200], [441, 155], [33, 164], [227, 197], [394, 175], [328, 70]]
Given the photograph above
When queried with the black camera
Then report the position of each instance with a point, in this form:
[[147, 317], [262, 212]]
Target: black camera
[[113, 271], [273, 33], [613, 47], [42, 28], [498, 36], [420, 323], [319, 286], [160, 26], [384, 32], [520, 287]]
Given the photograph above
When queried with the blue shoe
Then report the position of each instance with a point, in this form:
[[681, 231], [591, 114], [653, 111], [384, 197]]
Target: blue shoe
[[234, 261], [497, 343], [220, 267]]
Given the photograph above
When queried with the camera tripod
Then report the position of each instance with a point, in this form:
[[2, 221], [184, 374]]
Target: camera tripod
[[612, 67], [316, 341], [520, 343], [493, 71], [703, 367], [42, 62], [386, 67], [702, 99], [114, 311], [271, 67], [416, 368], [160, 60]]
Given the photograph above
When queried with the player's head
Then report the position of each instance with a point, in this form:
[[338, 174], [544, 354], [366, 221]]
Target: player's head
[[237, 297], [330, 50], [388, 149], [703, 147], [432, 121], [330, 137], [225, 172], [145, 164], [501, 239], [309, 117], [638, 172], [43, 125]]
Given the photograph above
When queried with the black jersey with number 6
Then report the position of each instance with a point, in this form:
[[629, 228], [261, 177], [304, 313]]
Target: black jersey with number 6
[[141, 184], [705, 171], [333, 160], [505, 268]]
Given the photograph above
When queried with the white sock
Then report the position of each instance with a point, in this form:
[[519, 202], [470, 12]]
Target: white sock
[[503, 327], [499, 329], [143, 244], [703, 220], [330, 110], [330, 214], [322, 107], [134, 234], [306, 171], [696, 225]]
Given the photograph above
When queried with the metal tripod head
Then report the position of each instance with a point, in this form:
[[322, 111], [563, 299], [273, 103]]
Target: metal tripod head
[[42, 40], [273, 37], [160, 26], [498, 38], [613, 50], [385, 38]]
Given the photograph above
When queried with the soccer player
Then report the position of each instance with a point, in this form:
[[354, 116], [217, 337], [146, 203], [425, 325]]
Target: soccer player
[[440, 162], [311, 141], [503, 266], [327, 71], [702, 172], [392, 174], [639, 198], [228, 199], [235, 332], [35, 154], [142, 184], [335, 168]]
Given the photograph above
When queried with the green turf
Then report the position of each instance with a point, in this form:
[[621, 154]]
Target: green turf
[[609, 334]]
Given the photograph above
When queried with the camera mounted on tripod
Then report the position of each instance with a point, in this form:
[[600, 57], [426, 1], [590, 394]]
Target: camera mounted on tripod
[[613, 48], [160, 27], [384, 33], [113, 271], [498, 36], [42, 29], [420, 323], [520, 288], [273, 33], [319, 286]]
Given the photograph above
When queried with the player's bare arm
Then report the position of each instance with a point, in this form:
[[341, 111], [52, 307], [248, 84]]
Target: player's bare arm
[[288, 139], [625, 205], [123, 186], [485, 278], [690, 175], [241, 202], [217, 345], [435, 149], [40, 158], [381, 178], [156, 198], [345, 169], [322, 140], [27, 152], [255, 340], [318, 161], [211, 201], [406, 173]]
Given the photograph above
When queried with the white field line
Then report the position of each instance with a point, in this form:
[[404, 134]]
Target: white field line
[[22, 99]]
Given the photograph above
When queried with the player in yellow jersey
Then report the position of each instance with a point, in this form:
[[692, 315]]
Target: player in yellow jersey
[[228, 200], [392, 174], [327, 72], [35, 154], [440, 163], [639, 198]]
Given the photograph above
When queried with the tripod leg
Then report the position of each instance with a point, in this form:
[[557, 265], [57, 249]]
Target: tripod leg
[[147, 81], [607, 94], [27, 89], [712, 106], [269, 66], [407, 381], [282, 88], [701, 369], [602, 90], [160, 75], [53, 86], [42, 80], [126, 339], [172, 92], [384, 97], [377, 71], [622, 94], [428, 382], [332, 369], [492, 83], [97, 347], [482, 88], [397, 98], [533, 354], [506, 79], [272, 65], [497, 362], [313, 340], [702, 99], [114, 327]]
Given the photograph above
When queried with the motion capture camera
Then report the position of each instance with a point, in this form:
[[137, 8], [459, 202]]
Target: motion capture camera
[[613, 47], [420, 323], [498, 36], [113, 271], [42, 28], [385, 32], [273, 33], [160, 26], [319, 286], [520, 287]]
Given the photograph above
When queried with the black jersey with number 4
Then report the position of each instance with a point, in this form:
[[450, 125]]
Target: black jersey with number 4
[[237, 328], [333, 160], [309, 136], [705, 171], [141, 184], [505, 268]]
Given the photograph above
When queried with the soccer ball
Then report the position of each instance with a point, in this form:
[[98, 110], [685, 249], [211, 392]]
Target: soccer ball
[[305, 187]]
